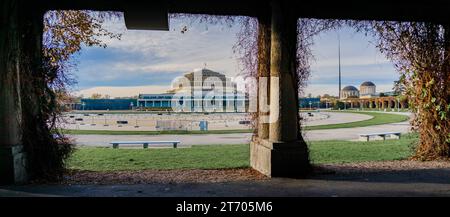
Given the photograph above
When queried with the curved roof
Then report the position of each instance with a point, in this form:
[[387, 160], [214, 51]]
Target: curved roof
[[205, 73], [367, 84], [350, 88]]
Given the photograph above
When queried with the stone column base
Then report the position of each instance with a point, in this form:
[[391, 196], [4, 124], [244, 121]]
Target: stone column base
[[280, 159], [12, 165]]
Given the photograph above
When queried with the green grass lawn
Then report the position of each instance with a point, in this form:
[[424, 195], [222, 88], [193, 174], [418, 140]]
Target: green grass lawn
[[377, 119], [231, 156], [348, 152], [197, 157]]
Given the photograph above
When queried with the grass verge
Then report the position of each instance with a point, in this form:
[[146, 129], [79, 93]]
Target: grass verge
[[231, 156], [197, 157], [377, 119], [339, 151]]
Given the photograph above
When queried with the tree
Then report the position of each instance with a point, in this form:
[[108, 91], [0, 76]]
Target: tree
[[399, 86], [420, 51], [45, 76]]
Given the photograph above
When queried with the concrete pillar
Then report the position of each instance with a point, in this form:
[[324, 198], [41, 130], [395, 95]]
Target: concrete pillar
[[284, 154], [282, 68], [264, 44], [12, 156]]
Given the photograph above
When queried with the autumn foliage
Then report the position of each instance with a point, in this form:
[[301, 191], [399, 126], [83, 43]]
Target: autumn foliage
[[421, 53]]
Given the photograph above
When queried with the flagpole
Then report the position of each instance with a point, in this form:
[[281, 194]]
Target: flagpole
[[339, 56]]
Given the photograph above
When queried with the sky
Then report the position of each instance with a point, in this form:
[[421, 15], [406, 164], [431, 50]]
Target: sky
[[147, 61]]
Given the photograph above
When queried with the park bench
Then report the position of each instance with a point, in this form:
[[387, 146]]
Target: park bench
[[366, 136], [144, 143]]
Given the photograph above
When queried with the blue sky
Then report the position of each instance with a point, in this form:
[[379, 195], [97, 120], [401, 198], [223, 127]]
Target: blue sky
[[147, 61]]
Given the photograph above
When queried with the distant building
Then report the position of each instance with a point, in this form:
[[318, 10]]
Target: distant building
[[155, 100], [367, 89], [367, 97], [203, 88], [307, 102], [107, 104], [349, 92], [200, 84]]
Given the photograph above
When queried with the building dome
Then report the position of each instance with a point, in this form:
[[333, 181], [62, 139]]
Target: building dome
[[349, 92], [367, 84], [368, 88], [350, 88]]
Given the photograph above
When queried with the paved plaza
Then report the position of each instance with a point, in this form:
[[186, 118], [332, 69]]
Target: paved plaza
[[424, 182], [189, 121], [243, 138]]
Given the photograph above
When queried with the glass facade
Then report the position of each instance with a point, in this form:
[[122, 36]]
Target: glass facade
[[108, 104]]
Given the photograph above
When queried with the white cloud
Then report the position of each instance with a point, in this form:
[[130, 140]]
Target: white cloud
[[122, 91], [169, 51], [180, 66], [150, 54]]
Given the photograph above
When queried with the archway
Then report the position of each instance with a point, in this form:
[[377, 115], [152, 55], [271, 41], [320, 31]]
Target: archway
[[280, 150]]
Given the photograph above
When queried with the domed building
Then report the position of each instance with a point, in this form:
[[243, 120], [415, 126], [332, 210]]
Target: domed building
[[205, 90], [367, 88], [349, 92]]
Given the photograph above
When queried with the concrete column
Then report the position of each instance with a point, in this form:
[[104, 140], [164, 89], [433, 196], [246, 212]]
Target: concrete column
[[285, 153], [12, 156], [282, 67], [264, 44]]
